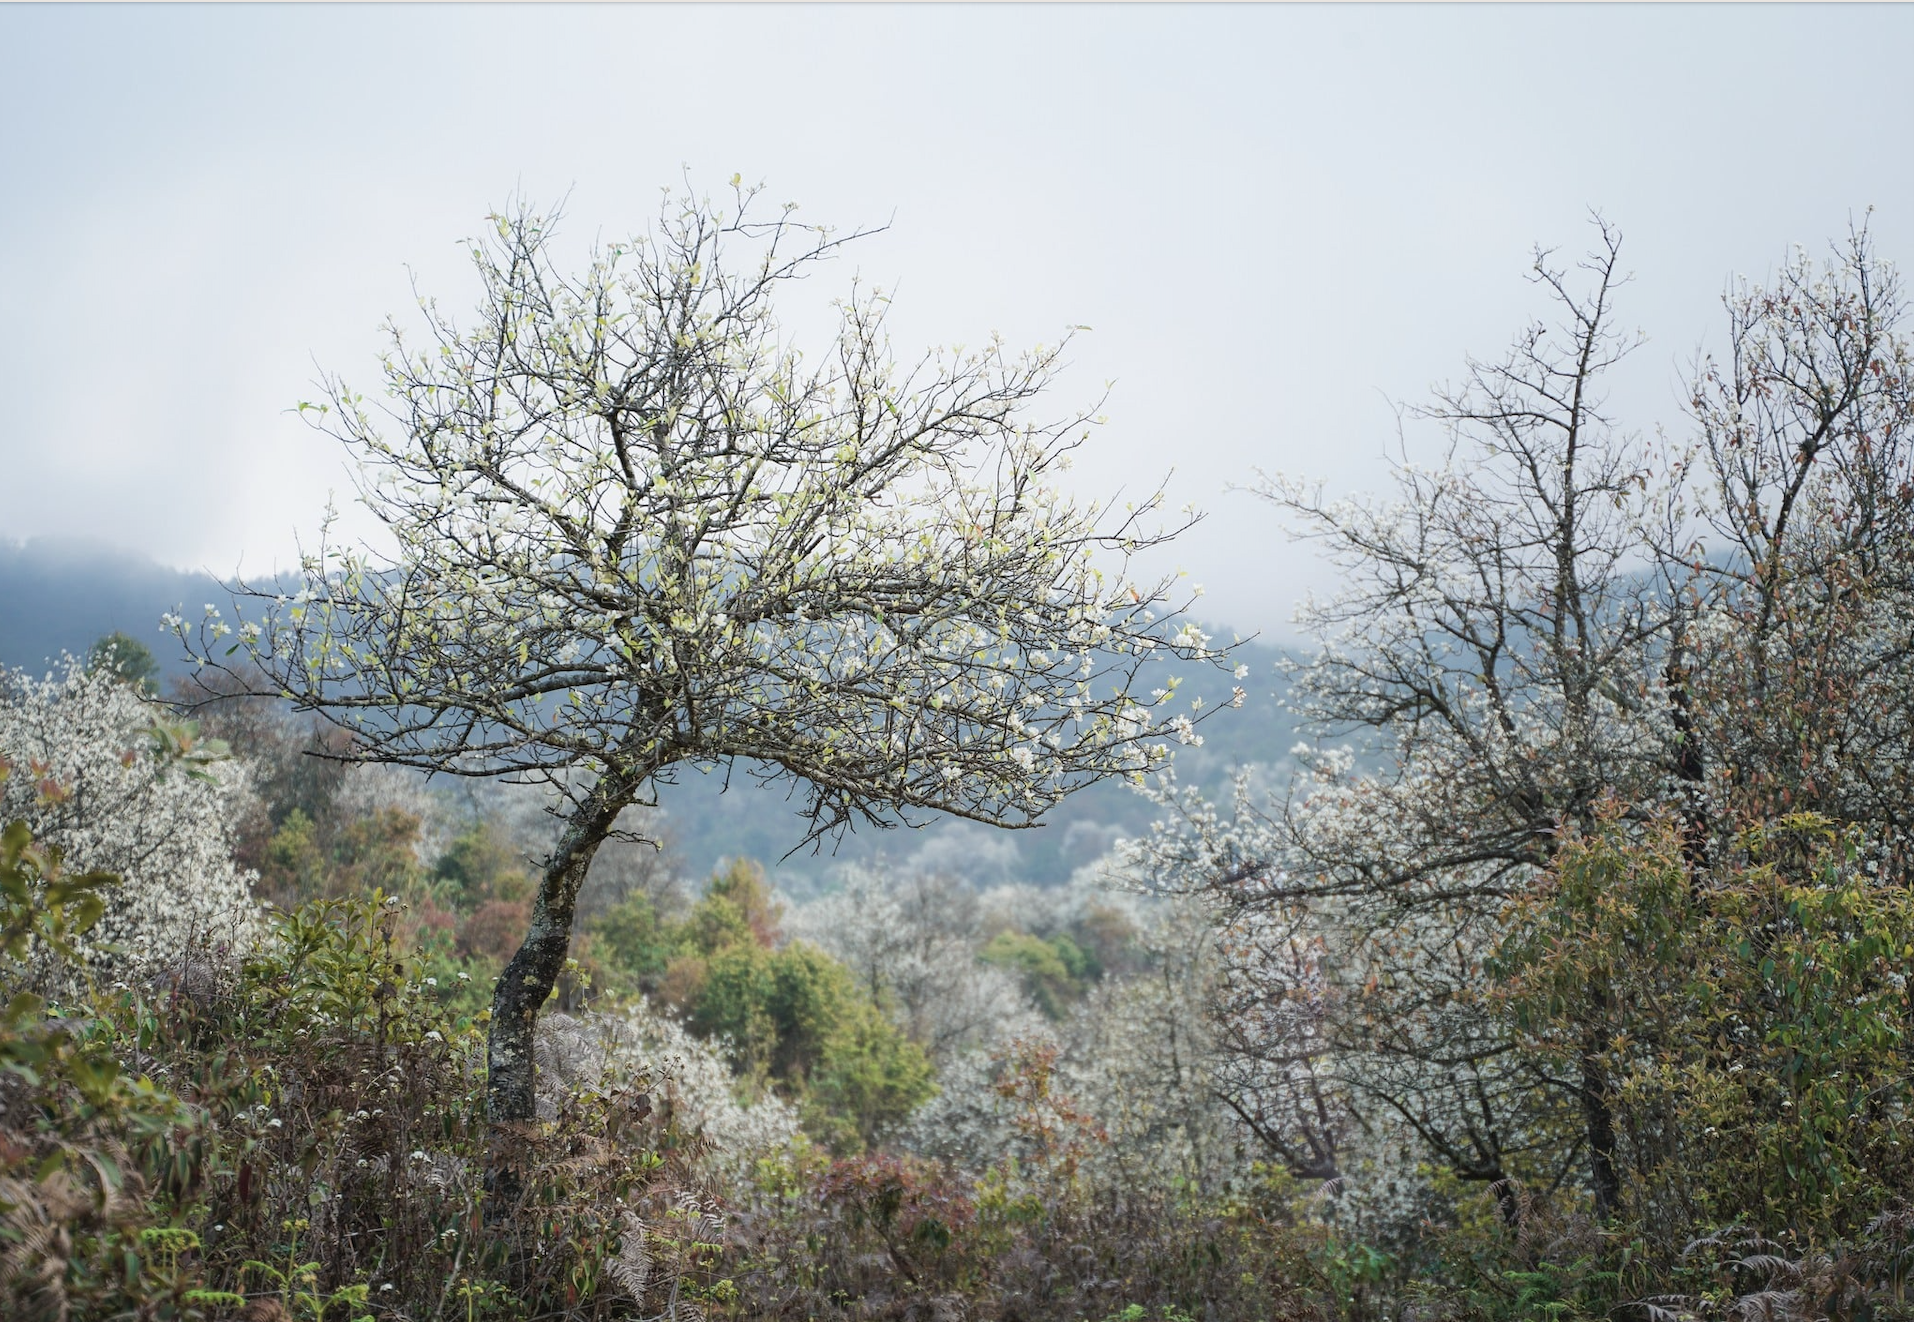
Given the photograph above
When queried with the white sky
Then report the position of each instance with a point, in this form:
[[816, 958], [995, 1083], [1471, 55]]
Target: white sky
[[1276, 219]]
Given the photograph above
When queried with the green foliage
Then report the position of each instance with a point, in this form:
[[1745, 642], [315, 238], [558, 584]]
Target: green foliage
[[126, 657], [317, 1143], [305, 860], [73, 1123], [714, 925], [1750, 1022], [740, 906], [869, 1076], [297, 1283], [43, 908], [631, 940], [294, 863], [1054, 972], [798, 1019], [794, 1019], [377, 852], [481, 865]]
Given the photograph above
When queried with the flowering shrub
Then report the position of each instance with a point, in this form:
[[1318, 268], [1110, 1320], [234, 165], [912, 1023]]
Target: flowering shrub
[[913, 941], [690, 1081], [102, 774]]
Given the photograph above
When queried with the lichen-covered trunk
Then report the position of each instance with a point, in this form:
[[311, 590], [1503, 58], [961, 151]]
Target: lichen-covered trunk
[[526, 984]]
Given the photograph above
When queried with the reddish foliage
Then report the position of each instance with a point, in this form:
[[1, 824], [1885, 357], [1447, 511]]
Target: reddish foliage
[[912, 1205], [495, 929]]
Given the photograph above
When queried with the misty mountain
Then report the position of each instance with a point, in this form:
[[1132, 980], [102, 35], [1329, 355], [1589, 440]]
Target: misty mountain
[[707, 823], [62, 595]]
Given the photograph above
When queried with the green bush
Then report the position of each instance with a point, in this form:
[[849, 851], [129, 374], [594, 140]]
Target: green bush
[[1749, 1023], [632, 942], [75, 1127], [797, 1019], [1054, 972], [126, 657]]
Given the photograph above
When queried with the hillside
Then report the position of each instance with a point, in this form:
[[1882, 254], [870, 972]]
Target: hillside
[[60, 596]]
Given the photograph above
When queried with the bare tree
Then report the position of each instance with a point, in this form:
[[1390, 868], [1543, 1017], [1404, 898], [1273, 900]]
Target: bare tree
[[636, 530], [1512, 635], [1499, 646]]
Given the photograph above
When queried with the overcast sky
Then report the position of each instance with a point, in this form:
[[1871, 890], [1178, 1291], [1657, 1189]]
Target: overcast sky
[[1277, 220]]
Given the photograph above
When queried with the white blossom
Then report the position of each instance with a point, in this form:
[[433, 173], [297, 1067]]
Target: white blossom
[[86, 777], [689, 1079]]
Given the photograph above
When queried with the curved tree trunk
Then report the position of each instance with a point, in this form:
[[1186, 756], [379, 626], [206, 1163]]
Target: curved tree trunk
[[526, 984]]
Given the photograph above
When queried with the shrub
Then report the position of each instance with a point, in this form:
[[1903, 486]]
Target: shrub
[[894, 1238], [1748, 1024], [116, 785], [632, 941], [1053, 971], [73, 1218]]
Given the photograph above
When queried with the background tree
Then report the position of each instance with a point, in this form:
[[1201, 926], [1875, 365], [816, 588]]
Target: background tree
[[1498, 648], [913, 939], [1561, 636], [636, 530], [1803, 656], [127, 657]]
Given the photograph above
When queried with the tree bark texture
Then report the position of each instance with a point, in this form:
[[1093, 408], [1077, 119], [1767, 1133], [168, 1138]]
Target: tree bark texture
[[1599, 1119], [526, 984]]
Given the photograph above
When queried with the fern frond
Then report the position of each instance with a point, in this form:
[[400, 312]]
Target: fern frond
[[631, 1267]]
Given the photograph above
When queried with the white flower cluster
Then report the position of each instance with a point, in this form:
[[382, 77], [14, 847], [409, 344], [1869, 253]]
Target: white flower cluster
[[689, 1078], [912, 941], [87, 778], [1141, 1056]]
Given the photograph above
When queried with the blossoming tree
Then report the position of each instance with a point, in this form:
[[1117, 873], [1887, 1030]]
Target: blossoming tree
[[99, 771], [1803, 662], [637, 532]]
